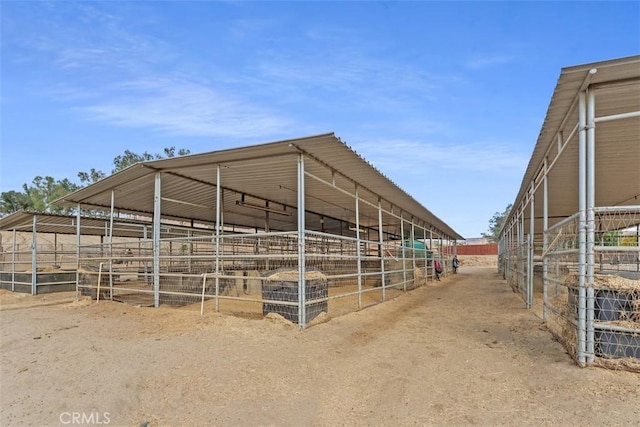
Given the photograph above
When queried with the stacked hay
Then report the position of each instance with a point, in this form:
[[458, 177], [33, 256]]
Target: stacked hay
[[282, 285], [616, 305]]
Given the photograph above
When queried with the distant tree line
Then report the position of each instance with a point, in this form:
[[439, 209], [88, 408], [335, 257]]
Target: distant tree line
[[39, 195], [495, 224]]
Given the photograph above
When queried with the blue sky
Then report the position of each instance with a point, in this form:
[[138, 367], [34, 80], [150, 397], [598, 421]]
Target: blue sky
[[444, 98]]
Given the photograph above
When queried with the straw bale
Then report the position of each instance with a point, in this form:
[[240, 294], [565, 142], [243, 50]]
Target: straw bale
[[277, 318], [616, 282], [292, 276], [607, 281], [626, 363], [320, 318]]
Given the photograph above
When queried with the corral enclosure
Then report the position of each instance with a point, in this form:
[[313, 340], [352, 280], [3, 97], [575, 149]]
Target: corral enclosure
[[576, 220], [298, 227]]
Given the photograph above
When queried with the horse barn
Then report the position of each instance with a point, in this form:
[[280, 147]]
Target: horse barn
[[575, 224], [302, 228]]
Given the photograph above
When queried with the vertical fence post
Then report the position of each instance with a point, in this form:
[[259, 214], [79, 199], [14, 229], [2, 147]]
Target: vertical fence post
[[358, 251], [590, 222], [301, 245], [78, 230], [582, 166], [531, 247], [545, 239], [157, 215], [13, 262], [404, 271], [34, 256], [218, 212], [382, 250]]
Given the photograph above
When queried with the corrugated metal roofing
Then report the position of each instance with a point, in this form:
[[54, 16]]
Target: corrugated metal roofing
[[261, 172], [617, 143]]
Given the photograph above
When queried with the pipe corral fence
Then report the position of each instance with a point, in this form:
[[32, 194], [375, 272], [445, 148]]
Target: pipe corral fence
[[607, 323], [252, 275], [37, 268], [243, 273]]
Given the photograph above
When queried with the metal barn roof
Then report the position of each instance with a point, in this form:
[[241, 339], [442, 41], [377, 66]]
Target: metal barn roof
[[617, 141], [259, 174]]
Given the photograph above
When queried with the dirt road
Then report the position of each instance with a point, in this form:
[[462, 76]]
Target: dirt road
[[463, 351]]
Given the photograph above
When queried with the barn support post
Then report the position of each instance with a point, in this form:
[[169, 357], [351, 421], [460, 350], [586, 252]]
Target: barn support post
[[145, 240], [525, 241], [157, 213], [590, 224], [413, 246], [13, 262], [190, 238], [404, 269], [582, 204], [78, 232], [638, 243], [301, 245], [529, 282], [531, 248], [441, 248], [55, 248], [433, 266], [217, 263], [426, 252], [545, 241], [358, 250], [34, 256], [382, 251], [113, 202]]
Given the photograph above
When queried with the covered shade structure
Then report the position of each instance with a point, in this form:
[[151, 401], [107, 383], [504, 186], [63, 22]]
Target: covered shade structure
[[577, 213], [314, 199]]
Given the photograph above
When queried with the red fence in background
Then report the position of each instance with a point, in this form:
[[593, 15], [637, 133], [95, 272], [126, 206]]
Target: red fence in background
[[488, 249]]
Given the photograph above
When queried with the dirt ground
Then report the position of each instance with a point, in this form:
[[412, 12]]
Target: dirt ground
[[463, 351]]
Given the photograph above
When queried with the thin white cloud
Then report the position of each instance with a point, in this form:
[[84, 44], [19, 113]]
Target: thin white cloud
[[490, 60], [183, 107], [416, 157]]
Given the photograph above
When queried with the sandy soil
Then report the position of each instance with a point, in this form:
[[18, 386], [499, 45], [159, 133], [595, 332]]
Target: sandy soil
[[463, 351]]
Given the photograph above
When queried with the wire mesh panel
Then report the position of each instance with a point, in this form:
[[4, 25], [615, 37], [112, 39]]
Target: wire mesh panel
[[610, 291], [254, 274], [510, 262], [520, 273], [616, 284], [562, 282]]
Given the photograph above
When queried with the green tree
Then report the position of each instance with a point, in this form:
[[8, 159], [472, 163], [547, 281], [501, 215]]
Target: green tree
[[90, 177], [496, 223], [37, 196], [12, 201], [44, 190], [130, 158]]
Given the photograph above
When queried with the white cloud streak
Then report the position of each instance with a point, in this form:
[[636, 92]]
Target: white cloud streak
[[182, 107], [490, 60], [417, 157]]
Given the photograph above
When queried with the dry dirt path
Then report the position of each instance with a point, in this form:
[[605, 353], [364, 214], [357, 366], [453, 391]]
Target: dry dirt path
[[463, 351]]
